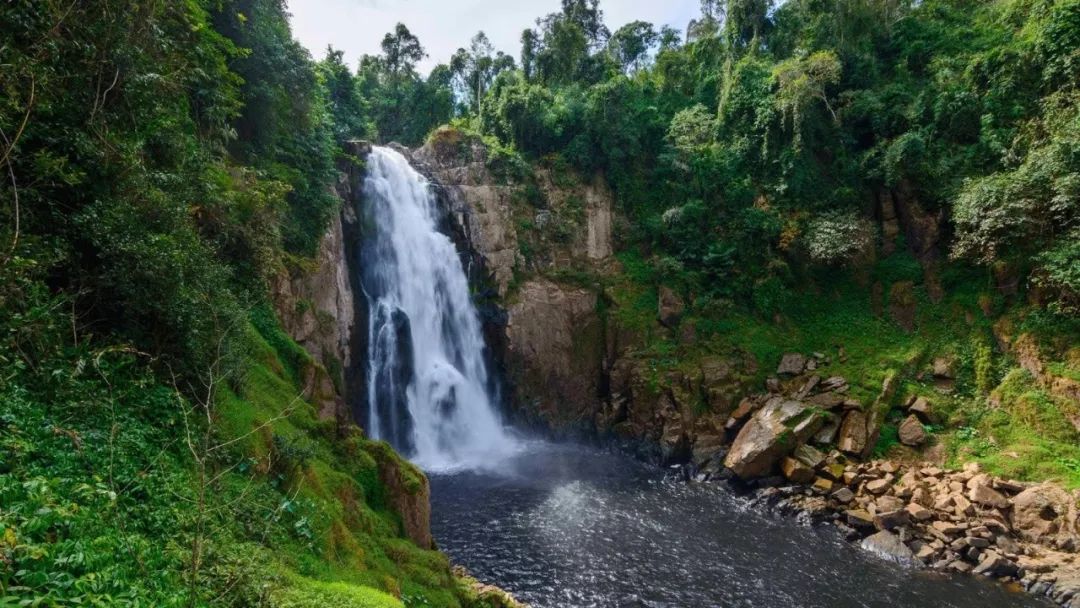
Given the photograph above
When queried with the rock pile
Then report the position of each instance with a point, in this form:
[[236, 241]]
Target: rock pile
[[802, 408], [806, 431], [960, 521]]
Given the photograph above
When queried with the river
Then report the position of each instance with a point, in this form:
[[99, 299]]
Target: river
[[563, 526]]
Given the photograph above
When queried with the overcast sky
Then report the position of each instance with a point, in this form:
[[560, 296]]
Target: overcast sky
[[357, 26]]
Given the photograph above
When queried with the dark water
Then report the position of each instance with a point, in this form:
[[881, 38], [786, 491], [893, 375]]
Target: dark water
[[567, 527]]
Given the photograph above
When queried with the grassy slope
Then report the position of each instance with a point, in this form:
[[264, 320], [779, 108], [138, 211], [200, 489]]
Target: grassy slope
[[997, 414], [98, 496]]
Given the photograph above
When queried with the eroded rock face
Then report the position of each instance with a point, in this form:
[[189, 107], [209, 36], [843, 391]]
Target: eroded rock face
[[550, 337], [408, 493], [317, 308], [483, 206], [670, 307], [555, 350]]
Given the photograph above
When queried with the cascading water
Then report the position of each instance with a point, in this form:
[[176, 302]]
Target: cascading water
[[428, 390]]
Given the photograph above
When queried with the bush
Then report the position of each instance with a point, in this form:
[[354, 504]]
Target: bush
[[835, 237]]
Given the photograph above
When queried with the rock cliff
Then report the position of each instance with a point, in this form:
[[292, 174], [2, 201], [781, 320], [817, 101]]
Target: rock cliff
[[542, 241]]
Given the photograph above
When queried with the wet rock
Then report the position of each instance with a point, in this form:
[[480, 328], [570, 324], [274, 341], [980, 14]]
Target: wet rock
[[888, 546], [706, 448], [859, 518], [791, 364], [993, 564], [843, 496], [926, 553], [912, 432], [674, 446], [891, 520]]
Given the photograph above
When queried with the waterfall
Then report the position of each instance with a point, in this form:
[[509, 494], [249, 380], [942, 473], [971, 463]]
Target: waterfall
[[428, 384]]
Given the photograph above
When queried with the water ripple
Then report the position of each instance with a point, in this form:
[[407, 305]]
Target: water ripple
[[570, 527]]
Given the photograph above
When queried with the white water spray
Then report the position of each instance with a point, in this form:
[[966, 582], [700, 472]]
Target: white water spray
[[428, 384]]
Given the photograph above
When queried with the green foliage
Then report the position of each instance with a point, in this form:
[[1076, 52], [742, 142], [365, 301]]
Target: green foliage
[[802, 81], [984, 368], [404, 106], [160, 163], [887, 440], [838, 236], [769, 118], [1024, 433]]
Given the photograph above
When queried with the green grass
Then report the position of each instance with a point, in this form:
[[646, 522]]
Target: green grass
[[99, 492], [1027, 434], [1023, 432]]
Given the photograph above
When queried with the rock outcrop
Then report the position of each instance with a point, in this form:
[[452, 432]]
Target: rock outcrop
[[555, 350], [551, 338], [774, 431], [407, 493], [319, 307]]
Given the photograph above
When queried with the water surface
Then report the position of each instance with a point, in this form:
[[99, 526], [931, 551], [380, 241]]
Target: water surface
[[569, 526]]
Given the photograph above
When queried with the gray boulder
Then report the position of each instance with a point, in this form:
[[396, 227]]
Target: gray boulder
[[773, 432], [888, 546]]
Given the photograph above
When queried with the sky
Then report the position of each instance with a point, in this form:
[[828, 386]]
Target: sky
[[358, 26]]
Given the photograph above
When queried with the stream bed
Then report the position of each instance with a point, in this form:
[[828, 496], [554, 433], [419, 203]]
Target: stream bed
[[564, 526]]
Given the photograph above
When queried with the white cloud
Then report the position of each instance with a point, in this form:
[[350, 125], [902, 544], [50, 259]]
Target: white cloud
[[357, 26]]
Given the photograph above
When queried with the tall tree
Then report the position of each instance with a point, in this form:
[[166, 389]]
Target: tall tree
[[631, 43], [745, 21], [475, 69], [405, 106], [347, 107], [708, 25], [569, 42], [529, 47]]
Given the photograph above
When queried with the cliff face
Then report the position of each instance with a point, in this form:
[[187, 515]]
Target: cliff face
[[543, 243], [322, 307], [317, 307]]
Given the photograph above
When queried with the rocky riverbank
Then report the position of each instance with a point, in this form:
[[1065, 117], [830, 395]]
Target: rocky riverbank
[[922, 516], [803, 446]]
